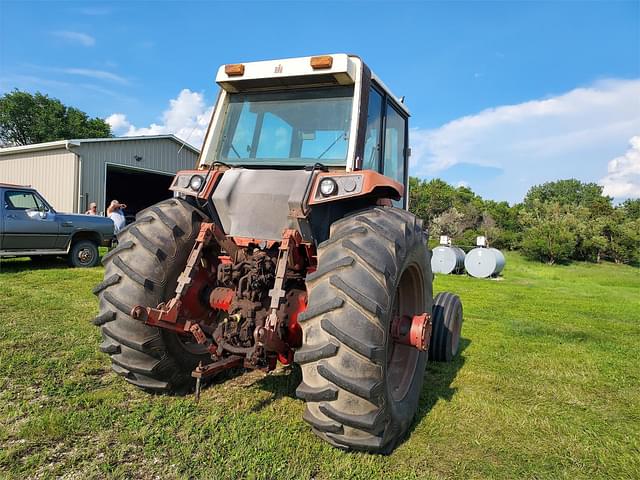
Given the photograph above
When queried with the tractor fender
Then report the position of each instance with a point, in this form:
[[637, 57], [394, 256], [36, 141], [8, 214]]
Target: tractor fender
[[360, 183]]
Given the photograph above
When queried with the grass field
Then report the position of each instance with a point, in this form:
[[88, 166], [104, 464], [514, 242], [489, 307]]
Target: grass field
[[547, 386]]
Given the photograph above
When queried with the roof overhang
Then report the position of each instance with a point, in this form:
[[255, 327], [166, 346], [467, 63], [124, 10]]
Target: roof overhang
[[39, 147], [67, 144], [287, 72]]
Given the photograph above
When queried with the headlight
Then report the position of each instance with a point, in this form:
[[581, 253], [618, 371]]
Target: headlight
[[196, 182], [328, 186]]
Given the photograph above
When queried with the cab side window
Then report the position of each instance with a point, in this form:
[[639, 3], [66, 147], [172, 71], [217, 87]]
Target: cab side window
[[394, 145], [372, 144]]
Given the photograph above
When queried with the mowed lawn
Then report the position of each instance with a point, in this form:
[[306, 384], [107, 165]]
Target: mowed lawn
[[547, 386]]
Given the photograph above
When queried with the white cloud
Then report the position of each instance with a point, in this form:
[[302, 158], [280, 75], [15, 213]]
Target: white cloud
[[569, 135], [623, 180], [187, 117], [97, 74], [118, 122], [76, 37]]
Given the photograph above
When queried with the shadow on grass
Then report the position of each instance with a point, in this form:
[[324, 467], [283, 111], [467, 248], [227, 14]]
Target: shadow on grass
[[46, 262], [437, 383]]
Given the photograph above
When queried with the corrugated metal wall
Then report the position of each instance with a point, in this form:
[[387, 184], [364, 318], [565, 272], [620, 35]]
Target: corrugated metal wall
[[52, 172], [159, 155]]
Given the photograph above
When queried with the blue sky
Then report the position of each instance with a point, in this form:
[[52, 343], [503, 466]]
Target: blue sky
[[503, 95]]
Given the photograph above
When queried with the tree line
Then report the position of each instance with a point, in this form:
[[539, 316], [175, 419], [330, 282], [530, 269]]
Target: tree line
[[27, 118], [555, 223]]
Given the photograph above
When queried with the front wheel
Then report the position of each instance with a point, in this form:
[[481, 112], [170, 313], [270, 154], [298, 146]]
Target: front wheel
[[83, 253], [362, 388]]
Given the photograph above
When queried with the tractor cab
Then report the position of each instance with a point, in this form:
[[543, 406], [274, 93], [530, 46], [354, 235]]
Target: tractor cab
[[300, 112]]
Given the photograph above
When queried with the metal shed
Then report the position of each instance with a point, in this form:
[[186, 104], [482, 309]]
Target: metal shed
[[70, 174]]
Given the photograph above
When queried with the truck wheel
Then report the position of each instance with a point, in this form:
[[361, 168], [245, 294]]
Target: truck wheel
[[446, 321], [143, 270], [361, 388], [83, 253]]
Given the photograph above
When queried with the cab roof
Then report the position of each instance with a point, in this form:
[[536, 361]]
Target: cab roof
[[321, 70]]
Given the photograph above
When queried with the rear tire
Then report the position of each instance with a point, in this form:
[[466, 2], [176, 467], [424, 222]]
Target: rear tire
[[446, 321], [143, 270], [361, 388]]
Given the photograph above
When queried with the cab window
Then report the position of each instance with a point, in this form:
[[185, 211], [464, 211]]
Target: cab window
[[394, 145], [372, 144]]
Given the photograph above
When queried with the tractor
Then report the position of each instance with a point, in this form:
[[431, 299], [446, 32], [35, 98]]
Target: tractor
[[289, 242]]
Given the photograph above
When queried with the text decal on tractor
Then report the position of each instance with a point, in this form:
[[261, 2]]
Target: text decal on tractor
[[290, 241]]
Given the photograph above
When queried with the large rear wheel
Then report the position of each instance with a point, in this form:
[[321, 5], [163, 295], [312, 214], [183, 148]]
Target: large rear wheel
[[143, 270], [362, 388]]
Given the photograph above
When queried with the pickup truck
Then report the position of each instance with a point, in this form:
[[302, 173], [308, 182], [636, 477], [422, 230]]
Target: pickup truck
[[30, 227]]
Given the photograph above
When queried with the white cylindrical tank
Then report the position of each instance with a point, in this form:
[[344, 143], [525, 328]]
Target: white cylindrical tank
[[484, 262], [446, 259]]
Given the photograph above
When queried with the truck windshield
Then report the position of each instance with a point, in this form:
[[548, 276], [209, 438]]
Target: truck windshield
[[287, 128]]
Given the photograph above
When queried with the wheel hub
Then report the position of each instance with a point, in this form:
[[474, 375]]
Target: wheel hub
[[85, 255], [414, 331]]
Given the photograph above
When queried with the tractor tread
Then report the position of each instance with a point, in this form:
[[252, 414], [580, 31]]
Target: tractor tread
[[369, 257], [321, 425], [169, 223], [121, 246], [370, 443], [151, 344], [110, 347], [312, 394], [120, 305], [146, 283], [373, 352], [140, 363], [148, 383], [358, 297], [126, 228], [148, 244], [314, 353], [323, 308], [104, 317], [330, 268], [372, 422], [358, 230], [367, 388], [106, 283]]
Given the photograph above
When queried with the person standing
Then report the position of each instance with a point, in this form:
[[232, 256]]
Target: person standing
[[116, 213], [93, 209]]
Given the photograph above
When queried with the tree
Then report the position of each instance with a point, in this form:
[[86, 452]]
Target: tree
[[631, 208], [27, 118], [623, 234], [571, 192], [550, 232]]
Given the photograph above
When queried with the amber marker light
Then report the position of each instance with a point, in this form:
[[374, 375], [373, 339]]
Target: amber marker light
[[324, 61], [234, 69]]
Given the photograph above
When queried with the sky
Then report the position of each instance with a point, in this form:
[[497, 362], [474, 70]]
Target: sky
[[503, 95]]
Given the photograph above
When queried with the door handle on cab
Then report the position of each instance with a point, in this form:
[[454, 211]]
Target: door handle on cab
[[67, 224], [12, 216]]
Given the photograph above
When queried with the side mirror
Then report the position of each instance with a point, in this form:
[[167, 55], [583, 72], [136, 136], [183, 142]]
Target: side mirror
[[43, 214]]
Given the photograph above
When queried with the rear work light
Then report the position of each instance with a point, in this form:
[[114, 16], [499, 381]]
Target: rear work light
[[234, 69], [324, 61]]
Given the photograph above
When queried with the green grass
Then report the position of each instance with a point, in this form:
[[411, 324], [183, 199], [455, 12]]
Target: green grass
[[547, 386]]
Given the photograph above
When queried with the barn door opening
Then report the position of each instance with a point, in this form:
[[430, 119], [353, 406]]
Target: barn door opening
[[137, 188]]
